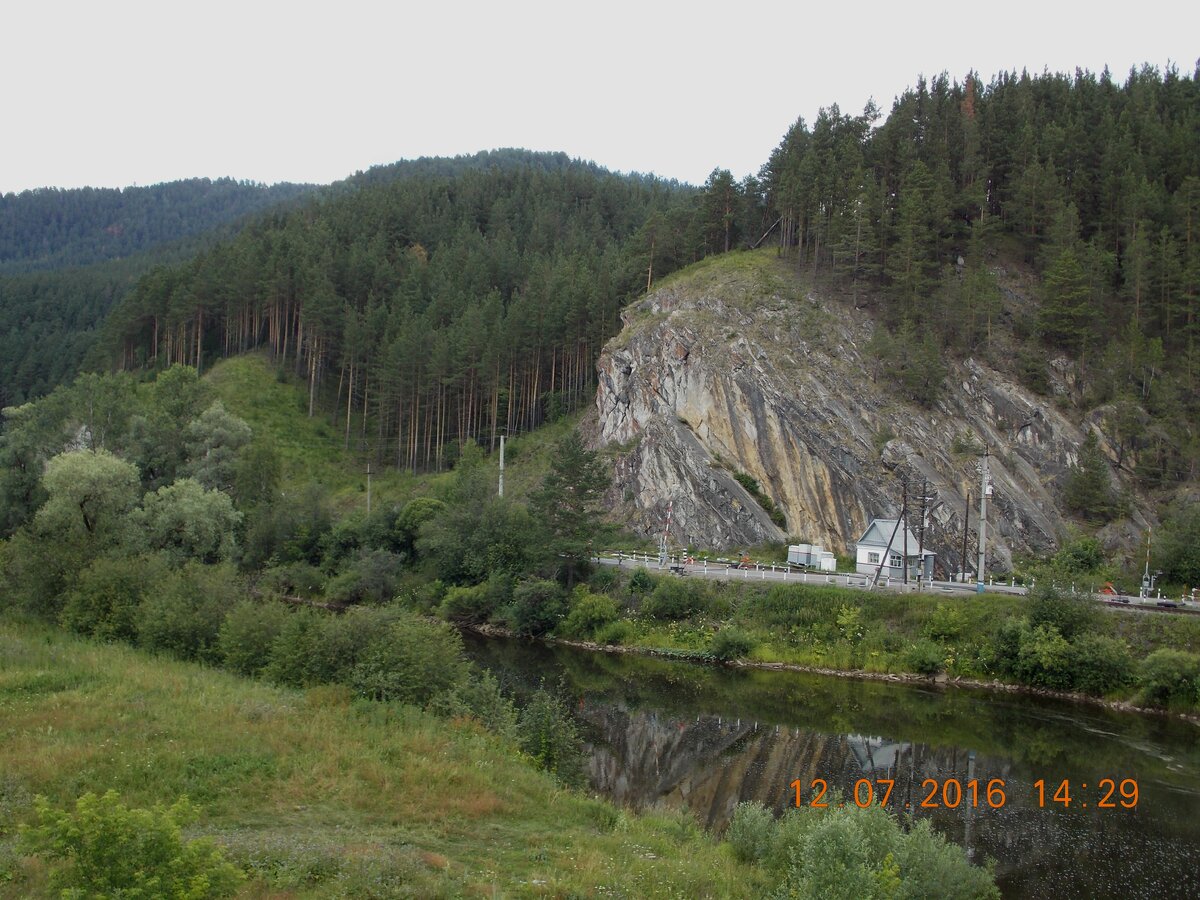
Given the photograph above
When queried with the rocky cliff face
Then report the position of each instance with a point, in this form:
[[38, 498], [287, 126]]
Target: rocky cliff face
[[733, 367]]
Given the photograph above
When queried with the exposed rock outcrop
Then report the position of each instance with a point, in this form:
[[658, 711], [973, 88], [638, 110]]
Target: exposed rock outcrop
[[732, 367]]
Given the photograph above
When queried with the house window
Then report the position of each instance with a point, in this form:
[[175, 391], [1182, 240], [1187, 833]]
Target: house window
[[872, 558], [896, 561]]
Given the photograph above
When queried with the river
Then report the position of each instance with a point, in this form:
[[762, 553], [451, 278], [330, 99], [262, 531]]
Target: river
[[702, 737]]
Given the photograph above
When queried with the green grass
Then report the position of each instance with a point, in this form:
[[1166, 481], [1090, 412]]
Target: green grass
[[316, 795]]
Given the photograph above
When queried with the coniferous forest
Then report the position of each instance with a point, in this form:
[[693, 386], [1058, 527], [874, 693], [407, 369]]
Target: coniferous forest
[[447, 299], [67, 256]]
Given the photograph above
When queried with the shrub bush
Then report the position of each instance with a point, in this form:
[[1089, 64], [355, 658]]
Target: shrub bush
[[536, 608], [467, 605], [641, 582], [925, 657], [246, 635], [589, 612], [857, 853], [412, 661], [548, 734], [107, 594], [1171, 678], [617, 632], [1070, 616], [289, 661], [1044, 658], [109, 850], [1100, 664], [731, 643], [750, 832], [672, 600], [339, 641], [298, 579], [479, 697], [184, 614], [371, 578]]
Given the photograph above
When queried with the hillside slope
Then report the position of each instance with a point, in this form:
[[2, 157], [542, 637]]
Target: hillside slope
[[737, 366]]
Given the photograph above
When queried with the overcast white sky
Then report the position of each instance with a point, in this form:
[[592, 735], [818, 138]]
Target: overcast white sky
[[122, 92]]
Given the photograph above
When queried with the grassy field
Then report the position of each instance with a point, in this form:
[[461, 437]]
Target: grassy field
[[316, 795]]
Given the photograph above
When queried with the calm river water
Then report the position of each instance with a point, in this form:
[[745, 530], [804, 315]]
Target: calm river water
[[706, 738]]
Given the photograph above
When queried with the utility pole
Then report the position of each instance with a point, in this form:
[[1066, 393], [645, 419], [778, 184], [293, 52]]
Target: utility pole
[[368, 487], [662, 544], [921, 533], [904, 525], [501, 464], [966, 525], [985, 491]]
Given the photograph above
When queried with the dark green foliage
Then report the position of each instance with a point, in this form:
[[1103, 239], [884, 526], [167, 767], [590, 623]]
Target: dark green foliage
[[673, 599], [925, 657], [730, 644], [537, 608], [1179, 546], [1088, 489], [474, 533], [247, 634], [1079, 557], [299, 579], [1171, 677], [107, 596], [548, 734], [291, 655], [289, 530], [1069, 615], [641, 582], [1100, 665], [911, 360], [856, 854], [105, 849], [755, 490], [589, 612], [467, 605], [567, 506], [183, 614], [479, 697], [411, 661], [371, 578]]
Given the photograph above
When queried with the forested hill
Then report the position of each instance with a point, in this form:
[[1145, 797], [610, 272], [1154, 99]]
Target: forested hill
[[66, 256], [1033, 221], [441, 306], [52, 228]]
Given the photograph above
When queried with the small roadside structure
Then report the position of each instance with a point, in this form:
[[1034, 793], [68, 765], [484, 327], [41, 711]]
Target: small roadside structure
[[884, 542], [812, 557]]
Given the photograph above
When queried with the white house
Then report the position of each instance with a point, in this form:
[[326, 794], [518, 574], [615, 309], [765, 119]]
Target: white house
[[873, 548]]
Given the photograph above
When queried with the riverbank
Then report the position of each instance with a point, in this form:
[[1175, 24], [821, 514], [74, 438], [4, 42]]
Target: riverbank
[[314, 793], [939, 680]]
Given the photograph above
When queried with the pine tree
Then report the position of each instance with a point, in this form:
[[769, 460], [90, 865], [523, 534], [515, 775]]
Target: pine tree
[[568, 505]]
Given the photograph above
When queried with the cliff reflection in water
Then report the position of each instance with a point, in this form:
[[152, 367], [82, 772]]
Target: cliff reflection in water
[[706, 738]]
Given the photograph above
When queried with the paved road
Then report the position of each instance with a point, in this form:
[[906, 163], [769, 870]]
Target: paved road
[[723, 572]]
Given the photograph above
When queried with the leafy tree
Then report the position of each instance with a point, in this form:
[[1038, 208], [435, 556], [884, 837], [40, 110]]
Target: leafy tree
[[188, 521], [214, 439], [567, 506]]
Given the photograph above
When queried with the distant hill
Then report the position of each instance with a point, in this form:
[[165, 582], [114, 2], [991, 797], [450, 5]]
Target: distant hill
[[54, 228], [66, 256]]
